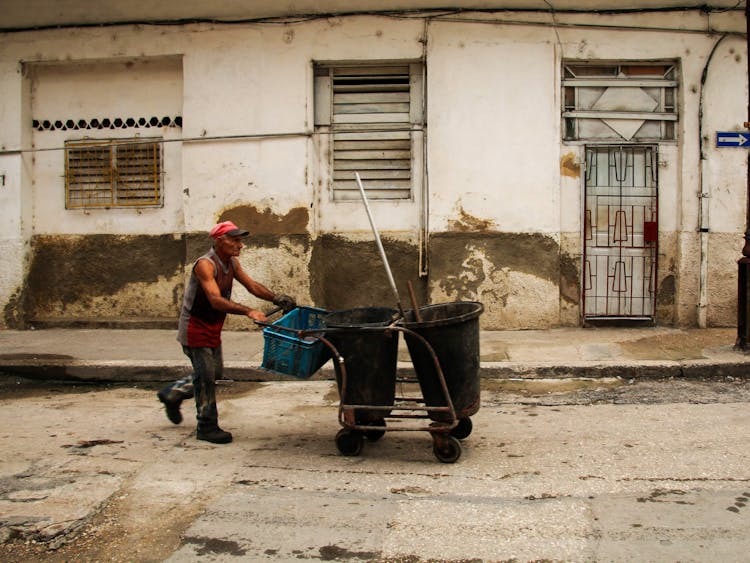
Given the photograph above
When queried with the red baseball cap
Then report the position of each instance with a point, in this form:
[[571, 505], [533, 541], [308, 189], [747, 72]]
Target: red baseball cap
[[226, 228]]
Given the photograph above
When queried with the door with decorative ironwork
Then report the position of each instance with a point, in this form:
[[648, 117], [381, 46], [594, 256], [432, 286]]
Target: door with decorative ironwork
[[620, 231]]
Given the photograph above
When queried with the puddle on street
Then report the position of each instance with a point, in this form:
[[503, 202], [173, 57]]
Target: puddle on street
[[543, 387]]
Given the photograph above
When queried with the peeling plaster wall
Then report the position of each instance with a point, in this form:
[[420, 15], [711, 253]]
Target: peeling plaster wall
[[104, 277], [687, 284], [722, 283], [668, 277], [504, 193], [505, 271]]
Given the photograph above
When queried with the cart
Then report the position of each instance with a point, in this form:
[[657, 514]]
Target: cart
[[413, 408], [364, 359]]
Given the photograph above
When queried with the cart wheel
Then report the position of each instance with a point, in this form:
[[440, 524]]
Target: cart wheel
[[446, 448], [375, 435], [349, 442], [463, 428]]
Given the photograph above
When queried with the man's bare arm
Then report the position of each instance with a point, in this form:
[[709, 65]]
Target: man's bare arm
[[204, 272]]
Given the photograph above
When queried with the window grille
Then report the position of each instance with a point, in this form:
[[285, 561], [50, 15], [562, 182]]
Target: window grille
[[114, 173], [371, 114], [633, 101]]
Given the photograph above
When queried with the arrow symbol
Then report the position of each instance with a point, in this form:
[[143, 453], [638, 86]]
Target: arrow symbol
[[733, 139]]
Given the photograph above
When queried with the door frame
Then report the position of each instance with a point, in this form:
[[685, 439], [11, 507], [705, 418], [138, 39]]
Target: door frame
[[615, 299]]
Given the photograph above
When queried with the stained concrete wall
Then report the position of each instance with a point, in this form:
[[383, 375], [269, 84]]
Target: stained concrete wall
[[504, 194], [724, 181]]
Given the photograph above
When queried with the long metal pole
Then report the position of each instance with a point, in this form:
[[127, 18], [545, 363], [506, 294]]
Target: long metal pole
[[380, 244]]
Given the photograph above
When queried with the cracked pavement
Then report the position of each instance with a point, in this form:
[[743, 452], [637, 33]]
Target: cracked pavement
[[573, 470]]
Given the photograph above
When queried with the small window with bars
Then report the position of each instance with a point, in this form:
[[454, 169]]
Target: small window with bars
[[625, 101], [113, 173], [373, 116]]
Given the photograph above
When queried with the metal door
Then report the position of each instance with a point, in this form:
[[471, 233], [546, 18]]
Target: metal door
[[620, 232]]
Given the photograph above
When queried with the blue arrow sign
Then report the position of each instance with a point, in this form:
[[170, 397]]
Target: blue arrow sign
[[732, 139]]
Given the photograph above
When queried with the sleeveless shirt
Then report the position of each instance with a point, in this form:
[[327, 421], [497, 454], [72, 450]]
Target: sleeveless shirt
[[200, 324]]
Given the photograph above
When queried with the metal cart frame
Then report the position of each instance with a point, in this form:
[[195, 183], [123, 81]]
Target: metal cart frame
[[446, 436]]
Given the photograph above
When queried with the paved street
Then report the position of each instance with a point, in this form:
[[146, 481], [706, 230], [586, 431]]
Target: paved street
[[574, 470]]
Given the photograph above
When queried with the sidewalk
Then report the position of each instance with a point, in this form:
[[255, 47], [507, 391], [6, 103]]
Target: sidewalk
[[155, 355]]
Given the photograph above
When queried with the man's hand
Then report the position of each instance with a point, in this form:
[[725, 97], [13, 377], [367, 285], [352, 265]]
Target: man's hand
[[257, 315], [285, 302]]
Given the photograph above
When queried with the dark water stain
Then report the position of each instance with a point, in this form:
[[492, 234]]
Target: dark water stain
[[570, 285], [346, 274], [336, 553], [666, 297], [265, 222], [665, 495], [210, 546], [85, 444], [75, 269], [288, 242], [14, 313], [468, 223], [667, 291], [35, 357]]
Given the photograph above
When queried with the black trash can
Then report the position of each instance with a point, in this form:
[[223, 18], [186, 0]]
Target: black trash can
[[452, 329], [370, 358]]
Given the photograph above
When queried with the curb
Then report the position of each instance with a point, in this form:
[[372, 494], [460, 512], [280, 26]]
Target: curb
[[160, 371]]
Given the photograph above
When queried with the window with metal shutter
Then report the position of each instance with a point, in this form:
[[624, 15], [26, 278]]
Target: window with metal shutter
[[370, 113], [113, 174]]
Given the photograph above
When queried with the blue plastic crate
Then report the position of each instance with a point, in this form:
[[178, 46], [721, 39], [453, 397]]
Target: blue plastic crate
[[285, 353]]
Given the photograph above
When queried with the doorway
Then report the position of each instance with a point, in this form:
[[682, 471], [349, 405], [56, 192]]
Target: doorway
[[620, 232]]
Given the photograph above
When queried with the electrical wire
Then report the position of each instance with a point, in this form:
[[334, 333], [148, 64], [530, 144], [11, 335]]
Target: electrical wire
[[434, 13]]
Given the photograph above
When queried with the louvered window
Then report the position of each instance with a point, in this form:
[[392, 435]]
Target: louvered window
[[633, 101], [116, 173], [371, 115]]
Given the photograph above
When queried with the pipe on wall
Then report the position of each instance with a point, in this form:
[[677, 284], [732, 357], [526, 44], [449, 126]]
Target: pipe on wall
[[704, 195]]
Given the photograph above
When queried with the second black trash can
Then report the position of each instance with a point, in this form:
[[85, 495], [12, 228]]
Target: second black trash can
[[370, 358], [452, 329]]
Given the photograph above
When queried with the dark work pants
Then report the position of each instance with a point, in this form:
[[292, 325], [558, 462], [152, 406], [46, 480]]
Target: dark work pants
[[208, 366]]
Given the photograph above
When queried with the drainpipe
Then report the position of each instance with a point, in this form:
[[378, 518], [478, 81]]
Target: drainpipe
[[743, 299], [703, 229], [703, 199], [424, 203]]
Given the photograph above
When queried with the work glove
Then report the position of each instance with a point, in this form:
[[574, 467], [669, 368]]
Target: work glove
[[285, 302]]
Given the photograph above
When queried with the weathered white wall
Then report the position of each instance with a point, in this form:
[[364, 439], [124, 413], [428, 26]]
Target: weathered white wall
[[679, 162], [362, 39], [238, 82], [725, 179], [15, 208], [494, 157], [493, 121], [142, 88]]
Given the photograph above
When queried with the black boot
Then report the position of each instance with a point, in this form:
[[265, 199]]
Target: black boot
[[172, 406], [214, 434]]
